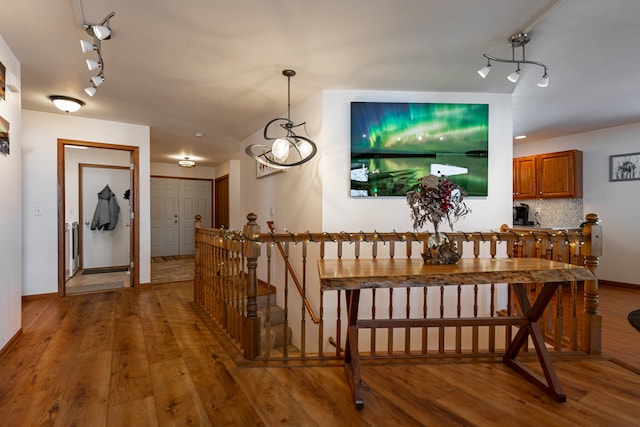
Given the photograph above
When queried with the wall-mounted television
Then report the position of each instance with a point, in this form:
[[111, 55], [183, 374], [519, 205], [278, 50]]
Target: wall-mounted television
[[393, 144]]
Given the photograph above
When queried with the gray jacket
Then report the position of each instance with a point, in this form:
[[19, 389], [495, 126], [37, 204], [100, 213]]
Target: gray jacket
[[107, 210]]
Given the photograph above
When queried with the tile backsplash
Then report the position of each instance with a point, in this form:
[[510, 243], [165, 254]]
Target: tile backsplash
[[555, 213]]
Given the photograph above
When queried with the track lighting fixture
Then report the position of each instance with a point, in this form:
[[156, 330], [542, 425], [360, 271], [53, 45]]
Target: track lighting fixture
[[99, 32], [286, 150], [66, 103], [517, 41]]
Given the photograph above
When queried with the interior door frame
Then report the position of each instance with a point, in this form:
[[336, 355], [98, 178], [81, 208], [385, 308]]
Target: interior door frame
[[133, 200]]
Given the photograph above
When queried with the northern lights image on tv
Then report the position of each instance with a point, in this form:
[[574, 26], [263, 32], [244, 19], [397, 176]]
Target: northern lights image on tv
[[395, 144]]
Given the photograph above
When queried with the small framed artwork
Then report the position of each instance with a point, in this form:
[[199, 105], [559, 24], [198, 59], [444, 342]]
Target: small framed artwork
[[264, 170], [624, 167], [4, 137], [2, 80]]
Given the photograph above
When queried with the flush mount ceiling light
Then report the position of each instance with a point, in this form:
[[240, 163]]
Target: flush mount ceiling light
[[517, 41], [99, 32], [186, 163], [287, 150], [66, 103]]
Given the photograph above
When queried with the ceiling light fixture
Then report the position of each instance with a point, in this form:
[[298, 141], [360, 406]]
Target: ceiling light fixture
[[187, 163], [99, 32], [517, 41], [66, 103], [288, 150]]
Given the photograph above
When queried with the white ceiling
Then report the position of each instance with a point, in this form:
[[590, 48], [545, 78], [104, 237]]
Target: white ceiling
[[216, 66]]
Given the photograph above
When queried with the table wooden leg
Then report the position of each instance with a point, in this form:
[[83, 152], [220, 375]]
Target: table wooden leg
[[351, 357], [552, 385]]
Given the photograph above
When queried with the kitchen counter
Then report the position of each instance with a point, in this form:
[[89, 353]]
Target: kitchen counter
[[536, 228]]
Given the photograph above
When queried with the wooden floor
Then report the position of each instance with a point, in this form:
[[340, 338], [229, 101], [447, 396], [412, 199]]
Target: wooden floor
[[147, 357]]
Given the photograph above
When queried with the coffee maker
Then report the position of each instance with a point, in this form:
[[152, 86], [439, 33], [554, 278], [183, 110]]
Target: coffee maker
[[521, 215]]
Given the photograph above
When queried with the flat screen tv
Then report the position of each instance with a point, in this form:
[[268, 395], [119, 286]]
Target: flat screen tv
[[394, 144]]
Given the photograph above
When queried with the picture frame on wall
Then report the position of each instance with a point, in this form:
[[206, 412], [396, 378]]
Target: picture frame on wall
[[2, 80], [264, 170], [394, 144], [624, 167], [4, 137]]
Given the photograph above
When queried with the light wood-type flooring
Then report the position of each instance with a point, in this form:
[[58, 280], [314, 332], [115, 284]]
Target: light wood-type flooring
[[163, 270], [149, 357]]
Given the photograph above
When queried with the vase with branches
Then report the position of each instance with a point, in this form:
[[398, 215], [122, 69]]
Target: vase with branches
[[437, 199]]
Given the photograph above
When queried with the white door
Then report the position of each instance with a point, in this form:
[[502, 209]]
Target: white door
[[105, 248], [195, 199], [165, 196]]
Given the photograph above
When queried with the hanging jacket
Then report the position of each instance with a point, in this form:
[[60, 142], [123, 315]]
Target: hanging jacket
[[107, 210]]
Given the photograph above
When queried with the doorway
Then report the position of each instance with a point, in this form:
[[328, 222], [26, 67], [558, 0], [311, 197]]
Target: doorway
[[222, 202], [98, 159], [107, 247], [174, 204]]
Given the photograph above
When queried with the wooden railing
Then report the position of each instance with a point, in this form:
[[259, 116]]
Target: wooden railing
[[244, 287]]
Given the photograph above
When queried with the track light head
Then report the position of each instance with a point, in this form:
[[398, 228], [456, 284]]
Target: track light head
[[513, 77], [91, 90], [484, 71], [93, 64], [87, 47], [97, 80], [544, 80], [102, 32]]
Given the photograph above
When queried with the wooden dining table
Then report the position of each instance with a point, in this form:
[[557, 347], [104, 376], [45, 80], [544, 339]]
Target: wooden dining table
[[353, 275]]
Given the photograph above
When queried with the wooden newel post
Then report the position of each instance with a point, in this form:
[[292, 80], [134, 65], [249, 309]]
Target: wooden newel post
[[197, 279], [251, 249], [592, 249]]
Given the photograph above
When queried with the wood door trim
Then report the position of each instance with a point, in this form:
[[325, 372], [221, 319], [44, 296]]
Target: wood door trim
[[135, 187]]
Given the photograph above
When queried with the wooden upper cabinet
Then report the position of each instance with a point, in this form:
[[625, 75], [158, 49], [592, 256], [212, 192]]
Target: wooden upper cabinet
[[550, 175], [524, 178], [560, 174]]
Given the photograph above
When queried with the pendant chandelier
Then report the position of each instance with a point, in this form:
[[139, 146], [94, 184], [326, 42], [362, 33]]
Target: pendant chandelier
[[287, 149]]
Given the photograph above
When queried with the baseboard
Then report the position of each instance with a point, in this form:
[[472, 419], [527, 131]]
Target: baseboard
[[38, 296], [618, 284], [12, 342], [145, 285]]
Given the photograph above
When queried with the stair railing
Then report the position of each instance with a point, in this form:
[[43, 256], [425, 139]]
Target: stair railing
[[301, 291], [579, 246]]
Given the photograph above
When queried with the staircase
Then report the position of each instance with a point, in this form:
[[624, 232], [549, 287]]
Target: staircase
[[273, 333]]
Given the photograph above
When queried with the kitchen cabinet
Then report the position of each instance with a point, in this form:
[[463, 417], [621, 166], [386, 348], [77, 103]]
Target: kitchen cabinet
[[549, 175], [524, 178]]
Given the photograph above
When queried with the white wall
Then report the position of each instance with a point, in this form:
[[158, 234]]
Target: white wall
[[41, 132], [616, 203], [315, 196], [11, 208]]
